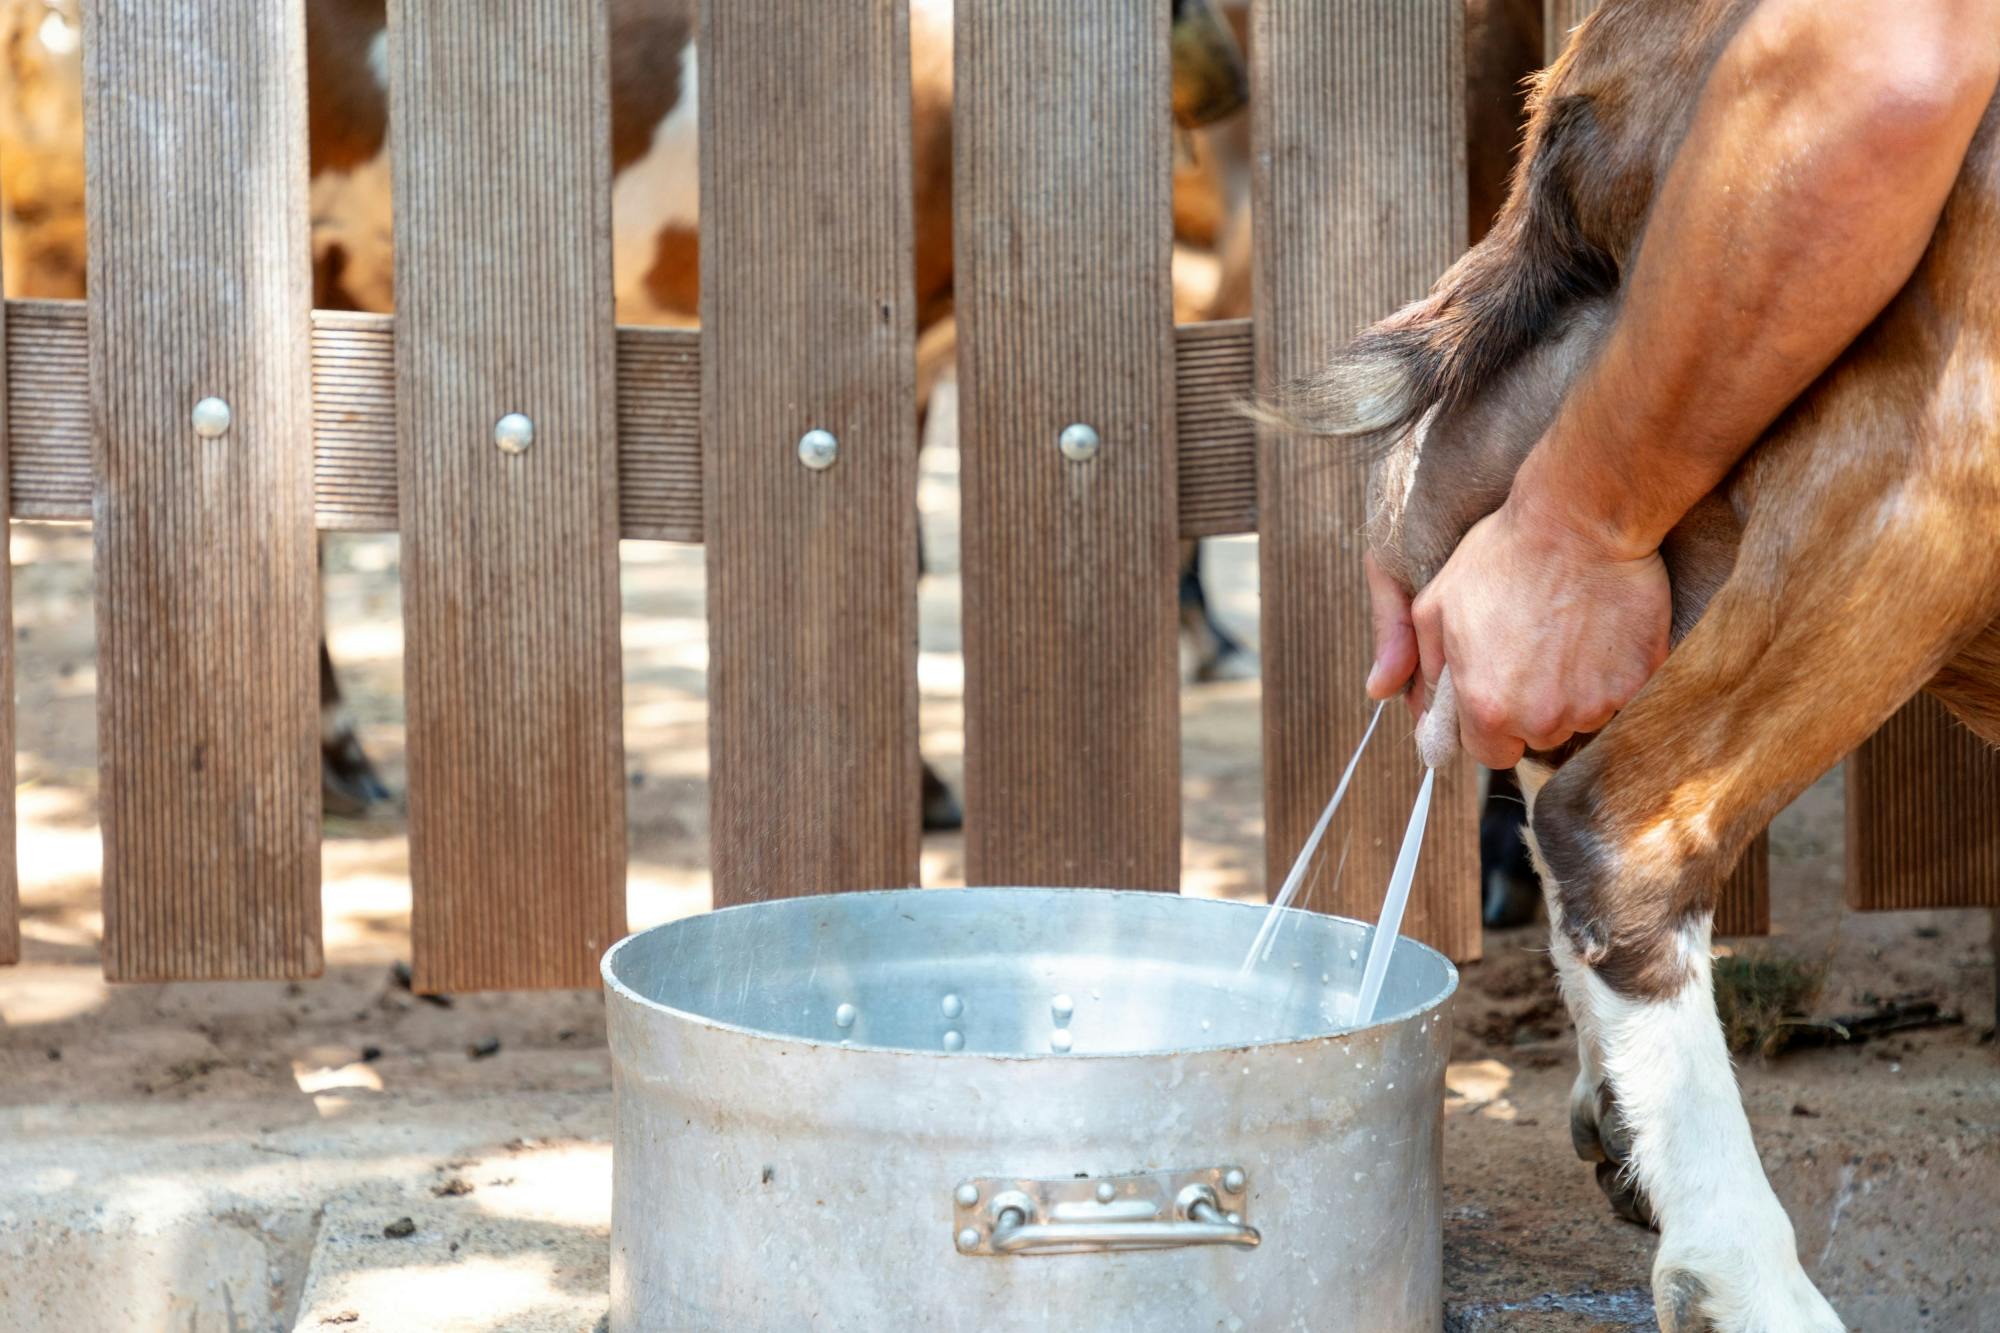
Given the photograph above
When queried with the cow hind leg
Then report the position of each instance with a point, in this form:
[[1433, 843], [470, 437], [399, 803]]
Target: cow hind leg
[[1797, 660]]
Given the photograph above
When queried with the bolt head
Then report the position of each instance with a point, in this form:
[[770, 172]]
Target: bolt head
[[952, 1006], [210, 417], [967, 1195], [1233, 1180], [968, 1239], [954, 1040], [1235, 1219], [1078, 442], [514, 433], [818, 449], [844, 1016], [1106, 1191]]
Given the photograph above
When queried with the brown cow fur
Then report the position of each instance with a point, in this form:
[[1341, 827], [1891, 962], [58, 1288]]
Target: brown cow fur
[[1848, 562]]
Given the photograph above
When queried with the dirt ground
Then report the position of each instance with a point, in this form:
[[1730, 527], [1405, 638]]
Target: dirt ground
[[1886, 1153]]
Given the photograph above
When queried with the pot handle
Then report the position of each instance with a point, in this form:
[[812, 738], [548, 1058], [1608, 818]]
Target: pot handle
[[1200, 1222]]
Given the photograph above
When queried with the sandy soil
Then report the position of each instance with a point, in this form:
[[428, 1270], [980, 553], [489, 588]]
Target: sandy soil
[[1887, 1153]]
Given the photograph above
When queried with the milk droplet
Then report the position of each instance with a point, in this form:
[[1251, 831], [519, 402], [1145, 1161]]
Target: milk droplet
[[1059, 1040], [843, 1017]]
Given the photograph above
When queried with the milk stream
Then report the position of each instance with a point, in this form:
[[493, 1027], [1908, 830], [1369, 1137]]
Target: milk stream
[[1388, 924]]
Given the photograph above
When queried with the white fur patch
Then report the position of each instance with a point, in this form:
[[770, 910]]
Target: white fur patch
[[1693, 1154], [660, 190]]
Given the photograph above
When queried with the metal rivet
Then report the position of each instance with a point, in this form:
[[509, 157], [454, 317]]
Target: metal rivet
[[843, 1017], [968, 1195], [952, 1006], [968, 1239], [1106, 1191], [211, 418], [954, 1040], [1061, 1008], [1078, 442], [1235, 1219], [818, 449], [1059, 1040], [514, 433], [1232, 1180]]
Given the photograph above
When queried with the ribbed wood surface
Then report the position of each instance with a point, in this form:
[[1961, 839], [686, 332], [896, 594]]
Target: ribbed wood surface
[[10, 896], [1923, 815], [502, 183], [207, 601], [1217, 473], [1062, 232], [1558, 18], [808, 323], [1744, 906], [659, 423], [1360, 195]]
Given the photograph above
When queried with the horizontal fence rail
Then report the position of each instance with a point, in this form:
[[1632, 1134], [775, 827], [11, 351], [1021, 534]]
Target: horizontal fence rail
[[659, 423]]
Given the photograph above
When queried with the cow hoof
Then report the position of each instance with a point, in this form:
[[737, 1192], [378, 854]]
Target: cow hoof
[[1232, 663], [1677, 1299], [1626, 1198], [350, 788], [1600, 1135], [942, 813], [1728, 1288]]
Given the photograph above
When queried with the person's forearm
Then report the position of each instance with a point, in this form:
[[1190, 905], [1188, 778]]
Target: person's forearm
[[1818, 160]]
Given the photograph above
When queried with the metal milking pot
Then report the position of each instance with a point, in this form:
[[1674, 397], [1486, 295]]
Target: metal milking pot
[[992, 1109]]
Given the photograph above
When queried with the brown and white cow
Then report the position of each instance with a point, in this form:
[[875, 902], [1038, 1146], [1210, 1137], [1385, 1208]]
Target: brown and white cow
[[1848, 563], [656, 206]]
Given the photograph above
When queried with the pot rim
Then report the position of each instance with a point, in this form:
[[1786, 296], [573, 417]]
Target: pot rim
[[614, 986]]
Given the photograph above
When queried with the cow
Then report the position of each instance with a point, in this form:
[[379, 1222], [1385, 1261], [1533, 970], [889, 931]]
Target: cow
[[655, 208], [1846, 564]]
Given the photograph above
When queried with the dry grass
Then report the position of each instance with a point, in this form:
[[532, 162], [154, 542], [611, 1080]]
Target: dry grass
[[1764, 998]]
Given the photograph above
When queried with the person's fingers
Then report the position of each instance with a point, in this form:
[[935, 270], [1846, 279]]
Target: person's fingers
[[1551, 739], [1427, 620], [1395, 640], [1484, 729]]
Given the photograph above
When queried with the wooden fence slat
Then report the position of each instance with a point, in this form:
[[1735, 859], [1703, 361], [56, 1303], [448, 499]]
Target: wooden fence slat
[[808, 324], [1923, 815], [10, 889], [1559, 18], [659, 423], [502, 180], [207, 601], [1062, 179], [1359, 190]]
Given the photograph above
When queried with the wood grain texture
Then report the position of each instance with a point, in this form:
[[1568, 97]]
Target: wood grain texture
[[10, 893], [659, 423], [1062, 234], [1744, 905], [1923, 815], [808, 322], [1559, 17], [502, 180], [207, 601], [1217, 471], [1359, 187]]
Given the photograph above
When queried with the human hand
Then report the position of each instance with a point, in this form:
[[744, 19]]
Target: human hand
[[1548, 633]]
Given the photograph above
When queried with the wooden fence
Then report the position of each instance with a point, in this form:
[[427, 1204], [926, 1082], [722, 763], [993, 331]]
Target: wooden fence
[[207, 599]]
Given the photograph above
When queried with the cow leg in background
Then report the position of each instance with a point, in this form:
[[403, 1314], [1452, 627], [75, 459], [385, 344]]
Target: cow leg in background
[[1508, 886], [1217, 653], [1847, 595], [349, 784]]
